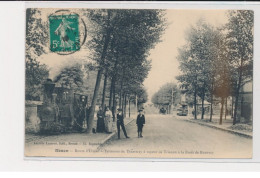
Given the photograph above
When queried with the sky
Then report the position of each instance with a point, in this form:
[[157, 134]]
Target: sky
[[163, 56]]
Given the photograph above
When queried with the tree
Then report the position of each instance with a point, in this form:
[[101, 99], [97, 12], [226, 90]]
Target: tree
[[201, 39], [71, 77], [35, 73], [222, 84], [168, 94], [100, 41], [189, 78], [36, 39], [240, 49], [200, 60], [131, 43], [36, 33]]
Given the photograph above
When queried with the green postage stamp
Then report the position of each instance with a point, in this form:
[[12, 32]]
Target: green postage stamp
[[64, 33]]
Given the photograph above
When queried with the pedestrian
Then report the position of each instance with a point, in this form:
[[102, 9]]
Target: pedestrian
[[140, 121], [108, 120], [81, 114], [100, 120], [120, 122]]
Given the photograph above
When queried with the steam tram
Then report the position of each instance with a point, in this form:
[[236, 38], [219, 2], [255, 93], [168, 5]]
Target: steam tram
[[62, 109]]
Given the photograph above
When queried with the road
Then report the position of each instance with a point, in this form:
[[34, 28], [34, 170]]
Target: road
[[165, 136], [168, 136]]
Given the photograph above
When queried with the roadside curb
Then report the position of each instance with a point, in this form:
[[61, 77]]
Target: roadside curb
[[223, 129], [110, 136]]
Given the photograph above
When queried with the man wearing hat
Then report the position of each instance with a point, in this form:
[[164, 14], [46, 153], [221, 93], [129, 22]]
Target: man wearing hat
[[140, 121], [120, 122]]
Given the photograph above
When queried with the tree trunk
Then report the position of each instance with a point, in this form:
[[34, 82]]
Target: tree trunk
[[111, 94], [104, 93], [236, 99], [226, 108], [211, 109], [120, 100], [122, 104], [125, 105], [211, 101], [121, 97], [221, 111], [113, 81], [232, 107], [202, 102], [94, 101], [195, 103], [129, 108], [98, 80], [114, 105], [136, 103]]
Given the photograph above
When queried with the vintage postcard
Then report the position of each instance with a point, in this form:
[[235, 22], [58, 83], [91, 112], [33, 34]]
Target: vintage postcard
[[139, 83]]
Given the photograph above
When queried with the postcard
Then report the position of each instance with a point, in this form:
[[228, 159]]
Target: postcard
[[139, 83]]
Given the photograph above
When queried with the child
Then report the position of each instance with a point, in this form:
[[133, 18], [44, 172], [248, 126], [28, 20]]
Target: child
[[140, 121]]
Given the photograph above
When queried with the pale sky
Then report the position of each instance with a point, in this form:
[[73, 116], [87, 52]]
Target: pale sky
[[163, 56]]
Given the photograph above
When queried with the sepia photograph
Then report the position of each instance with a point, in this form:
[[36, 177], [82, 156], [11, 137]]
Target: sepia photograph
[[139, 83]]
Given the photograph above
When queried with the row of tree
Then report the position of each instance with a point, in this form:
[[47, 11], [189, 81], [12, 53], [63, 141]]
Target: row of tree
[[217, 62], [167, 95], [120, 44]]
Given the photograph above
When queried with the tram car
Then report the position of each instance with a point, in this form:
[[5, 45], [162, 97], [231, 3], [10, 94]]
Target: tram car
[[182, 110], [62, 109], [162, 110]]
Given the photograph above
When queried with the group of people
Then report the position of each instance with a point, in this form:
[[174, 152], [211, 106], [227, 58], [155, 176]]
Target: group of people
[[105, 122]]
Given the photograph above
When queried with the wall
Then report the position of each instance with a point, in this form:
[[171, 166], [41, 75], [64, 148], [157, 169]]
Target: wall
[[32, 122]]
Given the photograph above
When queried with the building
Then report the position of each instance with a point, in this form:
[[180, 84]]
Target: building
[[245, 103]]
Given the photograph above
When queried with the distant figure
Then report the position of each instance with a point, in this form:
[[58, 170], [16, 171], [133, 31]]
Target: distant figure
[[140, 121], [120, 122], [108, 120], [100, 120], [162, 110]]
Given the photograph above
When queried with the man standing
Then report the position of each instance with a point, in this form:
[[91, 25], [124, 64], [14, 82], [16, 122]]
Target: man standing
[[140, 121], [120, 122]]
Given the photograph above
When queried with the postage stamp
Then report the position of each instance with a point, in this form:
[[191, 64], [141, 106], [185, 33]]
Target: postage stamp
[[64, 33]]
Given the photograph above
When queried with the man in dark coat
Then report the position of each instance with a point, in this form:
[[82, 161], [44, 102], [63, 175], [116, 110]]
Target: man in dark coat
[[140, 121], [120, 122]]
